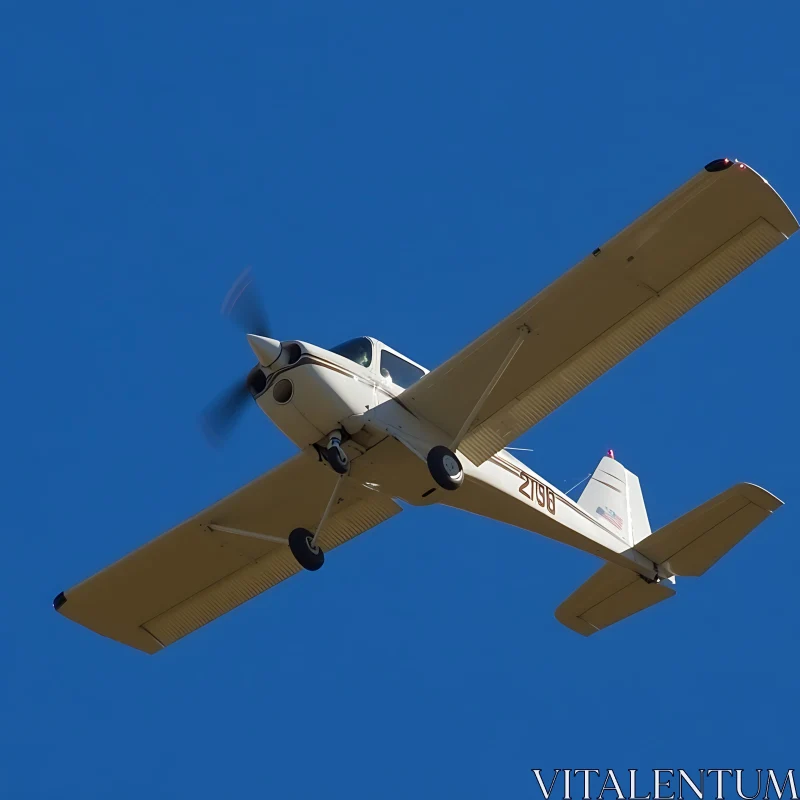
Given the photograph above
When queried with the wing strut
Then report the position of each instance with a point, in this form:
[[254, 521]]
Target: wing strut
[[524, 330], [277, 539], [250, 534]]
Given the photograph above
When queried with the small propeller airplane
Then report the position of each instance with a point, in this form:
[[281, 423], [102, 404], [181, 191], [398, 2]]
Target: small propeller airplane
[[375, 427]]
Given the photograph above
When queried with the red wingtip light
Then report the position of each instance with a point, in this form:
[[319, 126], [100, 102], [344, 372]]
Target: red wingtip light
[[610, 454], [742, 166], [718, 164]]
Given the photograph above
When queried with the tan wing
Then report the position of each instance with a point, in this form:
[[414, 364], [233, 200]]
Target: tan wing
[[192, 575], [677, 254]]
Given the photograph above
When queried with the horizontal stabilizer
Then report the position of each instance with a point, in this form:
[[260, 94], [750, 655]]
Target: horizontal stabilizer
[[696, 541], [610, 595]]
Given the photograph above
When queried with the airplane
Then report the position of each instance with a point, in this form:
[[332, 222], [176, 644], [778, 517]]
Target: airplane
[[375, 428]]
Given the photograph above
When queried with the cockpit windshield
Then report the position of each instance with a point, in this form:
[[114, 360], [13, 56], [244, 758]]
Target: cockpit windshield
[[357, 350]]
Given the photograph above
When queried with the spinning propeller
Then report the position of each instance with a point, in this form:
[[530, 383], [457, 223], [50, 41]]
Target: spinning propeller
[[243, 306]]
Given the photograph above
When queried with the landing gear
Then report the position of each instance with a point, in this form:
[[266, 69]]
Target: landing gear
[[307, 552], [335, 455], [304, 544], [445, 468]]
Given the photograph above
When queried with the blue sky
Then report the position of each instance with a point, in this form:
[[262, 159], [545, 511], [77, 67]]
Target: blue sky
[[414, 172]]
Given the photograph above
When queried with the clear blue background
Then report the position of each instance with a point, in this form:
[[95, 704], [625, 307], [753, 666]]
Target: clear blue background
[[411, 171]]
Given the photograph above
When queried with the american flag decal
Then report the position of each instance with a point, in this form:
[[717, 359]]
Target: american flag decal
[[615, 519]]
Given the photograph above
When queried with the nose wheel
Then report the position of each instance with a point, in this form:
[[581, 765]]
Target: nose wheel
[[335, 455], [445, 468]]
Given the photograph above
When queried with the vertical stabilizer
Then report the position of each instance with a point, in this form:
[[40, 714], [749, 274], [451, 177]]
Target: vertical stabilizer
[[614, 498]]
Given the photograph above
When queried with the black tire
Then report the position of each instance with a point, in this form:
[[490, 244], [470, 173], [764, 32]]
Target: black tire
[[336, 458], [445, 468], [300, 545]]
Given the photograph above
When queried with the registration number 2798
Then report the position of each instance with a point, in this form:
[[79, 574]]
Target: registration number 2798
[[543, 496]]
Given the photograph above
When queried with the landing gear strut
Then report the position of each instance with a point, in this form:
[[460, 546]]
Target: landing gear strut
[[304, 545], [445, 468]]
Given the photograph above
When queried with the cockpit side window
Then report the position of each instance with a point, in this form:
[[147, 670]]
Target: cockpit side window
[[399, 371], [357, 350]]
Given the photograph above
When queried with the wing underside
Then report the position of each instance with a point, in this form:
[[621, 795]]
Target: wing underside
[[192, 574], [670, 259]]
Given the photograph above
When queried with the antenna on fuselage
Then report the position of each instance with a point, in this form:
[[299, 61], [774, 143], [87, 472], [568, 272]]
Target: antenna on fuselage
[[579, 483]]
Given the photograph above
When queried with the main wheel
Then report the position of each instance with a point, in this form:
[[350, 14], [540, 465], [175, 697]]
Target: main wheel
[[337, 458], [445, 467], [308, 557]]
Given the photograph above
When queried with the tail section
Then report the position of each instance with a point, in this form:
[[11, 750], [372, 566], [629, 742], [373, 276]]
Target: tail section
[[689, 546], [613, 497]]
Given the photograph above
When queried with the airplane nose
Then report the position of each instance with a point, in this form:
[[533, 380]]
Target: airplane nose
[[267, 350]]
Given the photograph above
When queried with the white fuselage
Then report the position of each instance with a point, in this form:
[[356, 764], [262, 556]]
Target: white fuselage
[[322, 391], [326, 389]]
